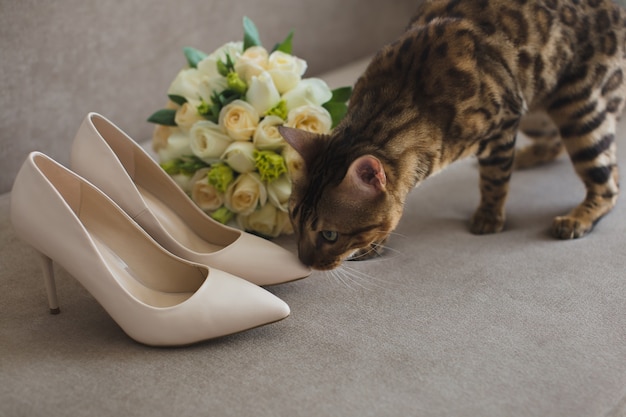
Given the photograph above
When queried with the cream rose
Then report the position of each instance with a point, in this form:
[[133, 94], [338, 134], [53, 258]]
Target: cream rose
[[187, 115], [239, 156], [267, 221], [266, 136], [245, 194], [294, 162], [239, 120], [160, 134], [286, 70], [314, 119], [282, 218], [310, 91], [262, 93], [207, 141], [251, 63], [278, 192], [204, 194]]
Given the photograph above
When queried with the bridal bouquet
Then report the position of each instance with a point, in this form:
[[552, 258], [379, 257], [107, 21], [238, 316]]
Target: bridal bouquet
[[218, 136]]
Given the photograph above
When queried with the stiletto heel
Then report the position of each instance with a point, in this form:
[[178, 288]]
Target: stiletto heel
[[112, 161], [156, 297], [51, 288]]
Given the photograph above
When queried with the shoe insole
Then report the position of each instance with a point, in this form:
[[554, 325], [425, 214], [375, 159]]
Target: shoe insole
[[130, 280], [176, 226]]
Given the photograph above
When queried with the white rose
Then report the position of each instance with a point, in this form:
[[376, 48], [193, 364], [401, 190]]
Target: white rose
[[211, 79], [286, 70], [314, 119], [310, 91], [262, 93], [245, 194], [207, 141], [251, 63], [177, 145], [208, 66], [183, 181], [266, 136], [187, 115], [204, 194], [239, 120], [278, 192], [239, 156], [208, 85], [186, 84]]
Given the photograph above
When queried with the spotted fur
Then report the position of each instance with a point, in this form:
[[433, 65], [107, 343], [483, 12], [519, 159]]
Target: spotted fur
[[462, 80]]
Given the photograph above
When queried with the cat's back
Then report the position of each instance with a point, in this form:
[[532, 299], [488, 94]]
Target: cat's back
[[537, 42]]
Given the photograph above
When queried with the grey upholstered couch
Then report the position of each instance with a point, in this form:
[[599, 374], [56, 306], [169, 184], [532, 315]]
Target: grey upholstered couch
[[446, 324]]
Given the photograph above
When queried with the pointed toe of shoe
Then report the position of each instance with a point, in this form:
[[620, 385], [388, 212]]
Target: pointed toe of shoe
[[260, 261], [245, 305]]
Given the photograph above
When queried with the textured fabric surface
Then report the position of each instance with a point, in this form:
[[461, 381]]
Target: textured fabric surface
[[445, 324], [61, 59]]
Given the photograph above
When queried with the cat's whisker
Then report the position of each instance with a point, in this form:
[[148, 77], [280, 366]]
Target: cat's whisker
[[352, 277], [387, 249], [361, 278], [336, 273], [396, 234]]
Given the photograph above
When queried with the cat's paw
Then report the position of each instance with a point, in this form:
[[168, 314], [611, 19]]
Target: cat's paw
[[485, 222], [568, 227]]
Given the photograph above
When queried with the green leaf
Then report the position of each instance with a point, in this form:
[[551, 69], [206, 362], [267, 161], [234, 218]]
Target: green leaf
[[250, 34], [341, 95], [337, 111], [163, 117], [286, 45], [180, 100], [193, 56]]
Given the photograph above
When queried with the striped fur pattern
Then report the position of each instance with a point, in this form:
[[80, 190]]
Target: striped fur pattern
[[463, 79]]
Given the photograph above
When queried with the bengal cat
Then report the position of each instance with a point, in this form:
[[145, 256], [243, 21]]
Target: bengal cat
[[462, 80]]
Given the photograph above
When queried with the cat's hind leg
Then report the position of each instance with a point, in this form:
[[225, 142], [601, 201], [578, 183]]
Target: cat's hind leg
[[590, 142], [546, 144]]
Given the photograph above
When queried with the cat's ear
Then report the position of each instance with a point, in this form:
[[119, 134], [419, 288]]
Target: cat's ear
[[307, 144], [365, 177]]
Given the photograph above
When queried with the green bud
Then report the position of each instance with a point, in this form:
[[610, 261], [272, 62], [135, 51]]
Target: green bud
[[204, 108], [171, 167], [269, 164], [220, 176], [236, 84], [222, 68], [185, 165], [222, 215], [279, 110]]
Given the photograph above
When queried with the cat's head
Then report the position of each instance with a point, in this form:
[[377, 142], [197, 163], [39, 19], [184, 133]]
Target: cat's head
[[340, 204]]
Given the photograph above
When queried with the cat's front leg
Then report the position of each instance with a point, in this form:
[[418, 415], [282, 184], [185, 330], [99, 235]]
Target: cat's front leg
[[495, 167]]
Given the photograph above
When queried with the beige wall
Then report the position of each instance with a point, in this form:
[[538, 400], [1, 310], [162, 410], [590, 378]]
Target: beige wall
[[60, 59]]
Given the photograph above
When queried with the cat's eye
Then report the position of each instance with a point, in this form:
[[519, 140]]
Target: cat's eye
[[330, 236]]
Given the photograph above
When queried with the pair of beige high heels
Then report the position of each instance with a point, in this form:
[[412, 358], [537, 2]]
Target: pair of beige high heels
[[166, 272]]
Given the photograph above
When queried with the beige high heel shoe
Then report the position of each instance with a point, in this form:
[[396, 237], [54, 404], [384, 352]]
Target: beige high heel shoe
[[156, 297], [112, 161]]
